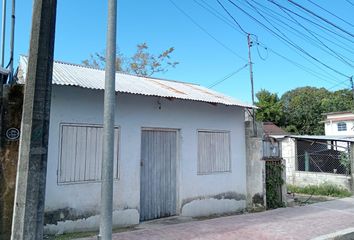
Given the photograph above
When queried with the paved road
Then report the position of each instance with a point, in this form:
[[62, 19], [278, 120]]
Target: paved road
[[305, 222]]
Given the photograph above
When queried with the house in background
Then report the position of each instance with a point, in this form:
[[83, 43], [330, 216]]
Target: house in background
[[339, 123], [179, 149], [311, 160]]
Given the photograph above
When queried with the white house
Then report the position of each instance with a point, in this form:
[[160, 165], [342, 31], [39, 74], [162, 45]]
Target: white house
[[179, 150], [339, 123]]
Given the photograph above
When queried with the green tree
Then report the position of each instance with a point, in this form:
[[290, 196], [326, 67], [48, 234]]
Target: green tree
[[141, 63], [270, 107], [300, 110], [340, 100]]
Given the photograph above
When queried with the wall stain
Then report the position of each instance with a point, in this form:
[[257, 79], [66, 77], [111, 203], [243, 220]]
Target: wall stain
[[12, 101], [226, 195]]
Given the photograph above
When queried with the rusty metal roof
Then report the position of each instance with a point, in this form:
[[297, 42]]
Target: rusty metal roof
[[270, 128], [67, 74]]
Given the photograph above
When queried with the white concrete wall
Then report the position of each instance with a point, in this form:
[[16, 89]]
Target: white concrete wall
[[301, 178], [288, 152], [331, 128], [77, 105], [256, 188]]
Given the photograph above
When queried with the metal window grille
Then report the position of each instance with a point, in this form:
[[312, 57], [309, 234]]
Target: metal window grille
[[81, 153], [323, 156], [341, 126], [213, 152]]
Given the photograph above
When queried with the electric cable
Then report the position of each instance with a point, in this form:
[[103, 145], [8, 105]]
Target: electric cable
[[227, 76], [311, 21], [205, 31], [320, 17], [334, 15], [290, 20], [290, 42]]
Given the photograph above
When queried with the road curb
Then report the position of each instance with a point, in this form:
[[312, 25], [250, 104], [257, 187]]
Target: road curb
[[345, 234]]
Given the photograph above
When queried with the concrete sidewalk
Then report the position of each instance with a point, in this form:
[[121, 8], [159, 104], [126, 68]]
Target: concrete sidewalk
[[305, 222]]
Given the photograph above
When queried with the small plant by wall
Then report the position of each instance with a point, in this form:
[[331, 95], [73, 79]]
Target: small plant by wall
[[325, 189], [274, 183], [345, 162]]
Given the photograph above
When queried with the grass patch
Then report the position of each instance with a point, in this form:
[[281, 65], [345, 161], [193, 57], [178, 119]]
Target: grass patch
[[330, 190], [75, 235], [69, 236]]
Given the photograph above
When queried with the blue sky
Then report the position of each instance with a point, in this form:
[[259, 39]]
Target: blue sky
[[81, 30]]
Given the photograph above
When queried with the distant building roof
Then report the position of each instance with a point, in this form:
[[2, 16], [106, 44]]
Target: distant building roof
[[336, 113], [324, 138], [270, 128], [338, 116], [67, 74]]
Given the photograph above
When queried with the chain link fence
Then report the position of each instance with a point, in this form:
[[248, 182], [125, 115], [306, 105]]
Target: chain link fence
[[323, 156]]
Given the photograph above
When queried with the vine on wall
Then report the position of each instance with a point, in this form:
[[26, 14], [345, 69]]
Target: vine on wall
[[274, 182]]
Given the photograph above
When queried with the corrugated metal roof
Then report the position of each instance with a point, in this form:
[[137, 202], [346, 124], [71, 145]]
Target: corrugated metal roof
[[317, 137], [76, 75], [270, 128], [324, 138]]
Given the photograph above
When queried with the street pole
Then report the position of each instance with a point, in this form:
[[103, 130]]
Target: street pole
[[3, 30], [352, 84], [249, 43], [28, 217], [108, 126], [12, 42]]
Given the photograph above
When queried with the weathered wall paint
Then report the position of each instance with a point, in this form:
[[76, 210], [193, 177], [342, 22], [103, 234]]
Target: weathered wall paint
[[122, 218], [212, 206], [77, 105], [12, 111], [255, 168]]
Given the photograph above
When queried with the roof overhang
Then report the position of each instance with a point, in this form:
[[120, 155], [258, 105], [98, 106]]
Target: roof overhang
[[66, 74]]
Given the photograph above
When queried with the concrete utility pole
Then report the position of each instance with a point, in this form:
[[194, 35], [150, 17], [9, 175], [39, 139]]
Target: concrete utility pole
[[3, 31], [12, 44], [108, 125], [352, 84], [28, 215], [249, 43]]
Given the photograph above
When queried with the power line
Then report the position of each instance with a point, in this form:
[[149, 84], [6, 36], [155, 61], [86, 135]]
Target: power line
[[309, 20], [322, 18], [292, 21], [227, 76], [339, 56], [290, 42], [286, 38], [302, 35], [300, 66], [348, 1], [218, 15], [205, 31], [232, 17], [337, 84], [318, 75], [334, 15]]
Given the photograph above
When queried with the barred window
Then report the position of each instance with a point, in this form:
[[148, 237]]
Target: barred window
[[213, 152], [342, 126], [81, 153]]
